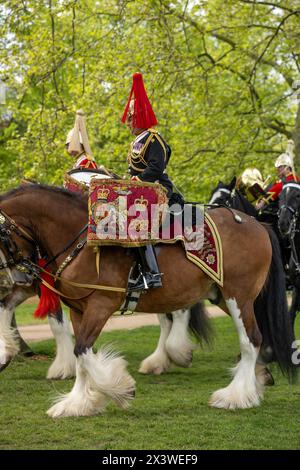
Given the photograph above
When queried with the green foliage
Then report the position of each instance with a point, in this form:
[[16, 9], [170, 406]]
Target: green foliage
[[169, 411], [220, 80]]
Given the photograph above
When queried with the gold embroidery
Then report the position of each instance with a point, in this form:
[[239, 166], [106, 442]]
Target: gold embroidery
[[134, 158]]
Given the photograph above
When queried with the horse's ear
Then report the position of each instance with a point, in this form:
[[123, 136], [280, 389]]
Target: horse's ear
[[232, 183]]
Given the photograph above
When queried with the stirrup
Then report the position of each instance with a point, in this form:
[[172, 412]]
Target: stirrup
[[145, 282]]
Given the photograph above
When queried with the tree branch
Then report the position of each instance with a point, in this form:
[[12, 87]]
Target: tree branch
[[272, 37], [266, 4]]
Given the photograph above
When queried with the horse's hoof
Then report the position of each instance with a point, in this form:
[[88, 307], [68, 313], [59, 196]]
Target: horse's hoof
[[3, 366], [269, 379], [28, 353]]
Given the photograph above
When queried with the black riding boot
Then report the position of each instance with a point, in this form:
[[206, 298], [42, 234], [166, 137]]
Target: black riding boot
[[148, 274]]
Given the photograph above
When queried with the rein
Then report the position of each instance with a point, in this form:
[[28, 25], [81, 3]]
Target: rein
[[68, 246]]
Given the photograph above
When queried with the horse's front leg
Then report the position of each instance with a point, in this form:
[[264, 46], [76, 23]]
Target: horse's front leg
[[63, 365], [99, 376], [9, 344]]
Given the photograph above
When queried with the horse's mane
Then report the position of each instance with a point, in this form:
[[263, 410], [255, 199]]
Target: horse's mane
[[73, 197], [240, 202]]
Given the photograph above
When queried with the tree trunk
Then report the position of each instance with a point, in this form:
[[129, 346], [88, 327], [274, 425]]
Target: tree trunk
[[296, 136]]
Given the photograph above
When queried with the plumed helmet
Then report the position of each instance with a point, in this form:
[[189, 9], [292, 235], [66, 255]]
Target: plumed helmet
[[70, 136], [77, 137], [284, 159], [138, 105]]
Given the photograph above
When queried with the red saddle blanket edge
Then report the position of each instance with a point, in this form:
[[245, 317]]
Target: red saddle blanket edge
[[210, 258]]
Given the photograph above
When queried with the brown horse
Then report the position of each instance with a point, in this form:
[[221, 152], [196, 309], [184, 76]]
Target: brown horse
[[52, 216]]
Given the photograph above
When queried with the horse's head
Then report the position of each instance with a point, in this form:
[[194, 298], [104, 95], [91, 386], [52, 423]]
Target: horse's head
[[222, 193], [229, 195], [289, 208], [16, 247]]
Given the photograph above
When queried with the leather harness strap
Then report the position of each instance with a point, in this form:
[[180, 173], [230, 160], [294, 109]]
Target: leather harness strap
[[14, 226], [76, 284]]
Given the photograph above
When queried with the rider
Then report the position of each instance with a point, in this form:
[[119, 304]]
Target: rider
[[77, 144], [284, 166], [286, 173], [147, 159]]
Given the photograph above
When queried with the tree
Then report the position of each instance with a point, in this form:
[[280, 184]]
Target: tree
[[221, 80]]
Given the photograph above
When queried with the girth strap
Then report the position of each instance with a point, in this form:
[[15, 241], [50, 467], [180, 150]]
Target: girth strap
[[75, 284]]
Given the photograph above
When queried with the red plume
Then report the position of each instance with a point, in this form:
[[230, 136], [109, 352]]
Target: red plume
[[49, 301], [143, 116]]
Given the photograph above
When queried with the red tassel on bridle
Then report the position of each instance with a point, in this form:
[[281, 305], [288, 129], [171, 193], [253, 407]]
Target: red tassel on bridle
[[49, 301]]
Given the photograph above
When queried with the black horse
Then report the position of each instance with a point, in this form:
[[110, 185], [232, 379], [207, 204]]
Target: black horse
[[289, 226], [286, 226]]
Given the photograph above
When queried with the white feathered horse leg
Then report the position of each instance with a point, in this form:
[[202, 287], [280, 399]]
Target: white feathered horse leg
[[174, 344], [100, 377], [64, 364], [179, 347], [244, 391], [159, 362], [9, 344]]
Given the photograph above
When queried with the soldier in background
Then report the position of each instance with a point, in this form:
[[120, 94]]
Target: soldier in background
[[77, 144], [285, 170]]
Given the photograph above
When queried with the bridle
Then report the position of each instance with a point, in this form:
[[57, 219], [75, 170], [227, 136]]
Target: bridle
[[14, 257], [13, 254], [218, 192], [295, 212]]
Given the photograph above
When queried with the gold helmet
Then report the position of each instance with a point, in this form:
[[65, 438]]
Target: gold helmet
[[252, 183], [251, 176]]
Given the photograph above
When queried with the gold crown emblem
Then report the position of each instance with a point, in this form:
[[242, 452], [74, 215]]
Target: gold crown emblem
[[141, 202], [102, 193]]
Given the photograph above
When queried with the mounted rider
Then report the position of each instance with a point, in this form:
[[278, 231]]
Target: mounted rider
[[285, 169], [268, 206], [148, 157], [77, 144]]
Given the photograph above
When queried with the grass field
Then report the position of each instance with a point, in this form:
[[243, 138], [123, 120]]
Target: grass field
[[169, 411], [24, 313]]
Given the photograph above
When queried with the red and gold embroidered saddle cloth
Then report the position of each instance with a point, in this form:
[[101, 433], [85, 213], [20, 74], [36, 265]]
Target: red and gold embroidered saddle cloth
[[132, 214]]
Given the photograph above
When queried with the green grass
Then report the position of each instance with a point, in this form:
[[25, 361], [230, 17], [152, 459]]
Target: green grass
[[24, 313], [169, 412]]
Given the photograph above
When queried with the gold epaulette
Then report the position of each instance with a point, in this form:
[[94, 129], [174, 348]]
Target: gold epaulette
[[155, 132]]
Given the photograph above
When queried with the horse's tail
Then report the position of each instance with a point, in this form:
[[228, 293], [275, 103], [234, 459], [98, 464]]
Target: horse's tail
[[200, 325], [272, 315], [295, 307]]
